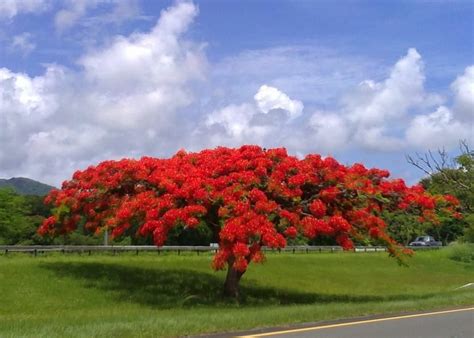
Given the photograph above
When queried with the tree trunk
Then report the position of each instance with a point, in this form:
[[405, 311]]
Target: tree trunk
[[231, 285]]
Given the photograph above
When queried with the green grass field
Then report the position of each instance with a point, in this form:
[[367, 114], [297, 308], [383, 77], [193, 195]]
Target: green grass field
[[169, 295]]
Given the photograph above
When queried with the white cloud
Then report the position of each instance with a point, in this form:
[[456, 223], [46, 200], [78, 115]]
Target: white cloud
[[378, 114], [22, 43], [234, 119], [402, 90], [329, 132], [437, 130], [268, 98], [251, 122], [123, 101], [25, 97], [143, 78], [12, 8], [445, 127], [463, 88], [375, 110]]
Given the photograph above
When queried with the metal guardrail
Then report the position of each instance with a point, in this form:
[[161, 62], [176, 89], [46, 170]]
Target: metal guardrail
[[35, 249]]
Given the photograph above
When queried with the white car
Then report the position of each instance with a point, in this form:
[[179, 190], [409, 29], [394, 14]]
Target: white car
[[425, 241]]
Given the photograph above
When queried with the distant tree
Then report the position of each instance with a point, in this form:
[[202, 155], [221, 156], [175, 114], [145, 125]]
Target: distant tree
[[18, 218], [447, 175], [450, 175], [404, 227]]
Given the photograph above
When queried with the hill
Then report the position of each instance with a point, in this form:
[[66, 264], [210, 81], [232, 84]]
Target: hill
[[26, 186]]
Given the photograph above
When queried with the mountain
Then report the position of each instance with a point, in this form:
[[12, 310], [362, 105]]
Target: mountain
[[26, 186]]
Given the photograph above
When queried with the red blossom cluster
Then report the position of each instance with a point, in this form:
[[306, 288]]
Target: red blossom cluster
[[249, 197]]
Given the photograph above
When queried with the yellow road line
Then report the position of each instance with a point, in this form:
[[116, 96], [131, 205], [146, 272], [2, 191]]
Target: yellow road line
[[314, 328]]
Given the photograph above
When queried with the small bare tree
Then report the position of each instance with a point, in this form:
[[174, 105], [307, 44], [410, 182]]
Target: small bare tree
[[456, 173]]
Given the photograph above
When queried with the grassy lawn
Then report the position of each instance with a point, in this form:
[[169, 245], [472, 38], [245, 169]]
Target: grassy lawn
[[169, 295]]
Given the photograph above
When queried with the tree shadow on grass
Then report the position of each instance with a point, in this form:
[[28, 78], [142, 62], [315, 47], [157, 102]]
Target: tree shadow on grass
[[171, 288]]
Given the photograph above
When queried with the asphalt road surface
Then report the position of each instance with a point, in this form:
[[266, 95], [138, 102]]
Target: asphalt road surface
[[457, 323]]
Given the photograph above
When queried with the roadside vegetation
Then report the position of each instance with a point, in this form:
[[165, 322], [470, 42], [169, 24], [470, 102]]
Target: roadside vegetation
[[150, 295], [168, 295]]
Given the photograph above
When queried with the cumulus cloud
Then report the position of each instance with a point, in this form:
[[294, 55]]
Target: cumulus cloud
[[12, 8], [463, 88], [123, 101], [268, 98], [438, 129], [446, 126], [329, 131], [251, 122], [390, 99], [375, 107], [145, 76], [379, 115]]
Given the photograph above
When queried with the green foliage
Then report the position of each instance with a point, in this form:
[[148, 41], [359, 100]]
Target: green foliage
[[469, 229], [449, 229], [181, 235], [19, 217], [462, 252], [404, 227], [457, 180]]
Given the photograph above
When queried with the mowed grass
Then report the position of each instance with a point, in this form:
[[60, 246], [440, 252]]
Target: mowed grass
[[154, 295]]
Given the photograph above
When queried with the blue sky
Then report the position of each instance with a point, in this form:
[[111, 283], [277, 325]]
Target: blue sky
[[365, 81]]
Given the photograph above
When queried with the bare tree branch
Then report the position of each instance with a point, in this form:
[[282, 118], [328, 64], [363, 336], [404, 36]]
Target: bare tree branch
[[441, 164]]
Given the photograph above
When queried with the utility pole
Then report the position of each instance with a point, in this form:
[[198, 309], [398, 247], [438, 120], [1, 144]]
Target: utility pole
[[106, 237]]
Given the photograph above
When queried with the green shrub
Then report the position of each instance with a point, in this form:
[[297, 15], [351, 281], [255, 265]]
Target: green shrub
[[462, 252]]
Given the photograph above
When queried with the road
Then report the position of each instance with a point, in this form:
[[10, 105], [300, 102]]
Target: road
[[457, 323]]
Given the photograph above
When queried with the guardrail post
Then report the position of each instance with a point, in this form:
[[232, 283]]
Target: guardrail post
[[36, 252]]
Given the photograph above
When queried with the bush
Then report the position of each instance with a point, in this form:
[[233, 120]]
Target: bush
[[469, 230], [462, 252]]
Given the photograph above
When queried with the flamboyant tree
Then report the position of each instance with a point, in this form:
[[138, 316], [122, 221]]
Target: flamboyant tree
[[249, 198]]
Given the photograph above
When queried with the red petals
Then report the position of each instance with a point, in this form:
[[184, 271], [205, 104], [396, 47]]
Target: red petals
[[317, 208], [240, 250], [329, 194], [291, 232], [339, 223], [253, 197]]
